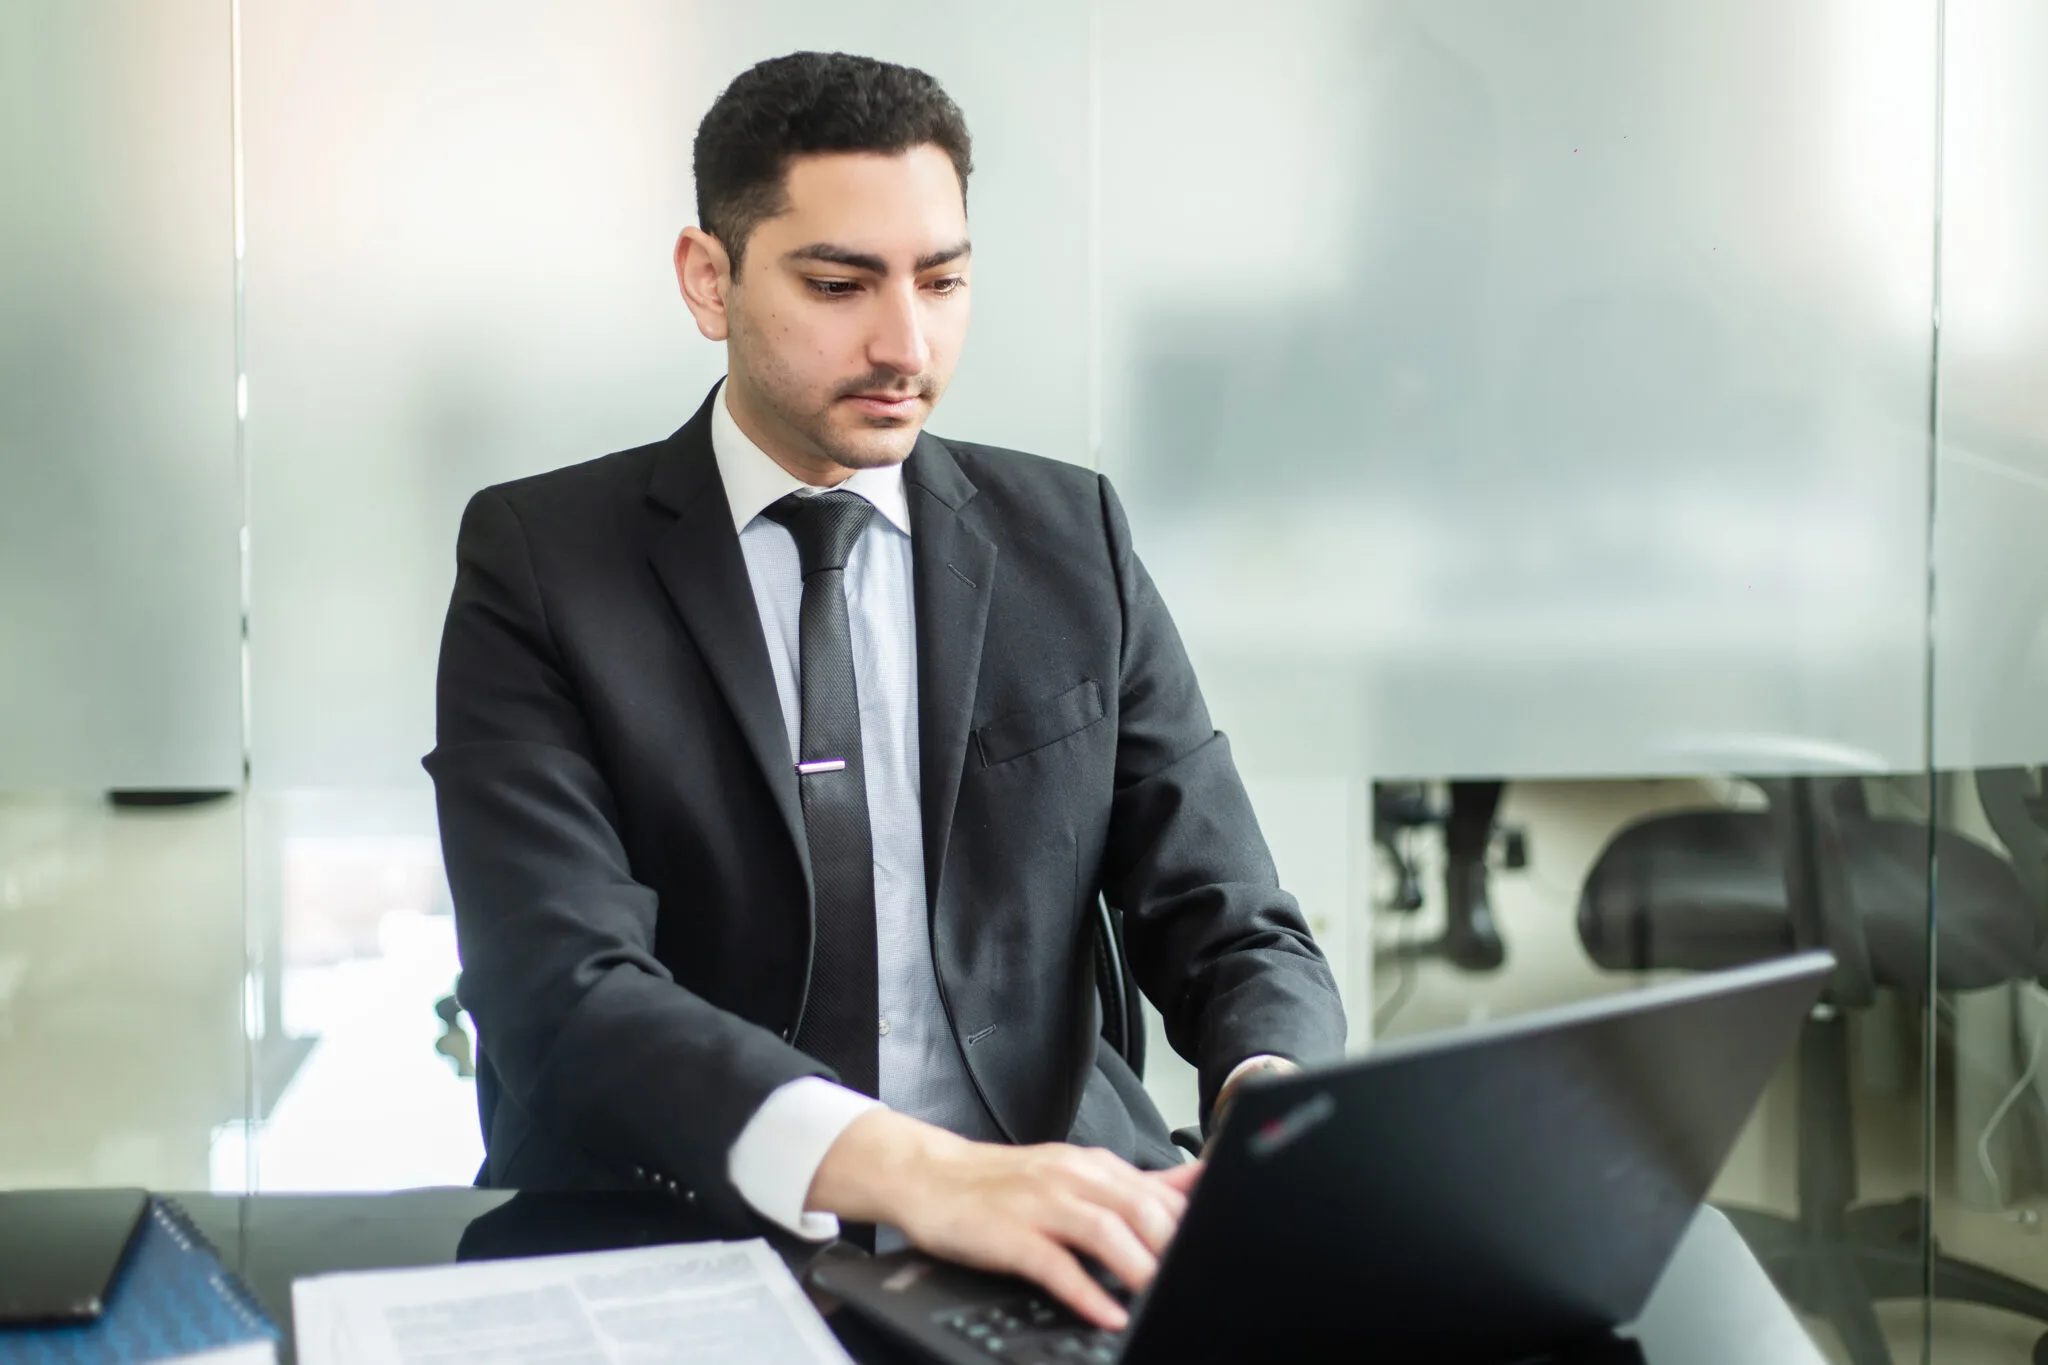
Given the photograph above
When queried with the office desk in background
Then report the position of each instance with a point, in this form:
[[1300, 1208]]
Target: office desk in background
[[1714, 1304]]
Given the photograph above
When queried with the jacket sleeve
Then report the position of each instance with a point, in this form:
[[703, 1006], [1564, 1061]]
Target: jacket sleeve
[[1215, 944], [585, 1028]]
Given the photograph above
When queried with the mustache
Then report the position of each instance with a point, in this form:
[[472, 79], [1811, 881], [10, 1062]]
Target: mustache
[[886, 381]]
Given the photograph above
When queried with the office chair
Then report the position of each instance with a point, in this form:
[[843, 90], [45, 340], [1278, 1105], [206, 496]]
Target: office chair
[[1398, 807], [1470, 941], [1703, 890], [455, 1043], [2016, 807], [1123, 1006]]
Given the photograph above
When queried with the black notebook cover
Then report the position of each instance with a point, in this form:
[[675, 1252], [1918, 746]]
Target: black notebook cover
[[60, 1251], [172, 1300]]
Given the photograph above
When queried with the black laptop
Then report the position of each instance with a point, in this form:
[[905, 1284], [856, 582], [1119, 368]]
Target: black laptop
[[1490, 1193]]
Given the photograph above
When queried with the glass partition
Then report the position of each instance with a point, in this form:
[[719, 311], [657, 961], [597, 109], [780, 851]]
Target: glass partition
[[1498, 387], [1989, 1116], [120, 501], [1537, 398], [122, 1041]]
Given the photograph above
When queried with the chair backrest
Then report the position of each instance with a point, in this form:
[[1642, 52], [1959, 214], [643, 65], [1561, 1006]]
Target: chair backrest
[[2017, 810], [486, 1108], [1701, 890], [1123, 1009]]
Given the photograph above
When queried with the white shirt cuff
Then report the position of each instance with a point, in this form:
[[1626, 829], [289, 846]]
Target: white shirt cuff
[[778, 1153]]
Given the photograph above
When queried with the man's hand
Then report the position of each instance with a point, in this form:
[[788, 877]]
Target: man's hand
[[1022, 1210], [1255, 1066]]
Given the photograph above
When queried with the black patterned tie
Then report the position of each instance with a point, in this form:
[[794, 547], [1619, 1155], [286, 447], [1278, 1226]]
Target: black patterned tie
[[840, 1021]]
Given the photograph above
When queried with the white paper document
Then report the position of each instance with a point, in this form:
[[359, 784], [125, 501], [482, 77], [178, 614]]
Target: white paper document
[[734, 1303]]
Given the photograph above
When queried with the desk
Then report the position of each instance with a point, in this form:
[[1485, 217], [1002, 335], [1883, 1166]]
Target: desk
[[1714, 1305]]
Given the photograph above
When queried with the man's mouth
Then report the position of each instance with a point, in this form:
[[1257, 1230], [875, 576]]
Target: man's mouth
[[885, 404]]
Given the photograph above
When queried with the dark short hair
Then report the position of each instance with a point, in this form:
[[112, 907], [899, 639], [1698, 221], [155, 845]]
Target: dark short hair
[[811, 102]]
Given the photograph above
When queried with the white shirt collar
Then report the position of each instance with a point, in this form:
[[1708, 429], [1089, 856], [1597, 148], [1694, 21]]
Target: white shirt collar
[[753, 480]]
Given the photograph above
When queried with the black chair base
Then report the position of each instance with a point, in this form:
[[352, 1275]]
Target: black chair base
[[1397, 808], [1875, 1256]]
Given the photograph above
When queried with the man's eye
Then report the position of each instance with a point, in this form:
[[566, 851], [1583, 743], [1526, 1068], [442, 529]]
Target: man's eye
[[950, 284], [833, 289]]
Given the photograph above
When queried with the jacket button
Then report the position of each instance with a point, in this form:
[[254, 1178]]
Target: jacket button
[[639, 1174], [689, 1196]]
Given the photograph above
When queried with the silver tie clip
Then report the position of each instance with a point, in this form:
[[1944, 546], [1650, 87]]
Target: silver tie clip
[[821, 765]]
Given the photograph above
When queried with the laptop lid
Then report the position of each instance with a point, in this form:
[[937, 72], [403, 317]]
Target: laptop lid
[[1474, 1194]]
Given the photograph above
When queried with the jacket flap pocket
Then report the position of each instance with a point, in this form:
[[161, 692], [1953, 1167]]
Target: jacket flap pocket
[[1020, 732]]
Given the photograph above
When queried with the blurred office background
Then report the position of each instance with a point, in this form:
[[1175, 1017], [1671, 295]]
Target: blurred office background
[[1548, 394]]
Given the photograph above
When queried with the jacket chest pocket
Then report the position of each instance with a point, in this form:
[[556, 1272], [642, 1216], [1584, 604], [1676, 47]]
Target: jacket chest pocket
[[1042, 723]]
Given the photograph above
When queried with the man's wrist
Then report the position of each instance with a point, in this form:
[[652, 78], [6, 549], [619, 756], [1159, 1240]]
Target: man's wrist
[[878, 1160]]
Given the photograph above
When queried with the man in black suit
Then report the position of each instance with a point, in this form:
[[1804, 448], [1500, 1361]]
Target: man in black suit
[[780, 762]]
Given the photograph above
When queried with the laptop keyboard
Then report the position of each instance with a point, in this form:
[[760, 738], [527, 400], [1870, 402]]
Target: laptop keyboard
[[1033, 1331]]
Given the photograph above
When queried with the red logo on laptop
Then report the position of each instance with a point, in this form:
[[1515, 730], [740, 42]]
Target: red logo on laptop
[[1283, 1129]]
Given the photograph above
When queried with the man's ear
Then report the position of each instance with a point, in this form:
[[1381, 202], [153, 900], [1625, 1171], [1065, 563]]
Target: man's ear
[[704, 274]]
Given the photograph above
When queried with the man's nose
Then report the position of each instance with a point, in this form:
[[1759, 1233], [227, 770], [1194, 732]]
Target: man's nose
[[898, 342]]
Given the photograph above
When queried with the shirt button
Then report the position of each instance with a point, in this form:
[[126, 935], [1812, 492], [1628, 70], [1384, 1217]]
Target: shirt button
[[882, 1027]]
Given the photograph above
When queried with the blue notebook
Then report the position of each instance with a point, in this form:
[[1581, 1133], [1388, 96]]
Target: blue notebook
[[172, 1299]]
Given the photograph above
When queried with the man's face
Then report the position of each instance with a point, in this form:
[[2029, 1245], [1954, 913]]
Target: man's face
[[851, 308]]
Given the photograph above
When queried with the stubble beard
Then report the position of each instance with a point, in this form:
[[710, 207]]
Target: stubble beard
[[827, 429]]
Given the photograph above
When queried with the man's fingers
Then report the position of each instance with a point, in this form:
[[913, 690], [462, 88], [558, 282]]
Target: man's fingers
[[1179, 1179], [1031, 1210], [1150, 1209], [1148, 1213], [1053, 1266], [1102, 1232], [1172, 1200]]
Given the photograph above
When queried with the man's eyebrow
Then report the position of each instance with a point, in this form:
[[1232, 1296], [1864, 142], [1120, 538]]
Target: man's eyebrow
[[839, 255], [868, 261], [951, 253]]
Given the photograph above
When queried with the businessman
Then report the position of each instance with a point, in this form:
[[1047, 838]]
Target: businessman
[[780, 763]]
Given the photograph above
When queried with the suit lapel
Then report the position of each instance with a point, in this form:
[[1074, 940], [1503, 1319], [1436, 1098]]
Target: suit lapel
[[698, 561], [953, 571]]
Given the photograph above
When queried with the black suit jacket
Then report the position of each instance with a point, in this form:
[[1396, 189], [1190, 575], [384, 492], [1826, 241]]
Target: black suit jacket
[[626, 848]]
